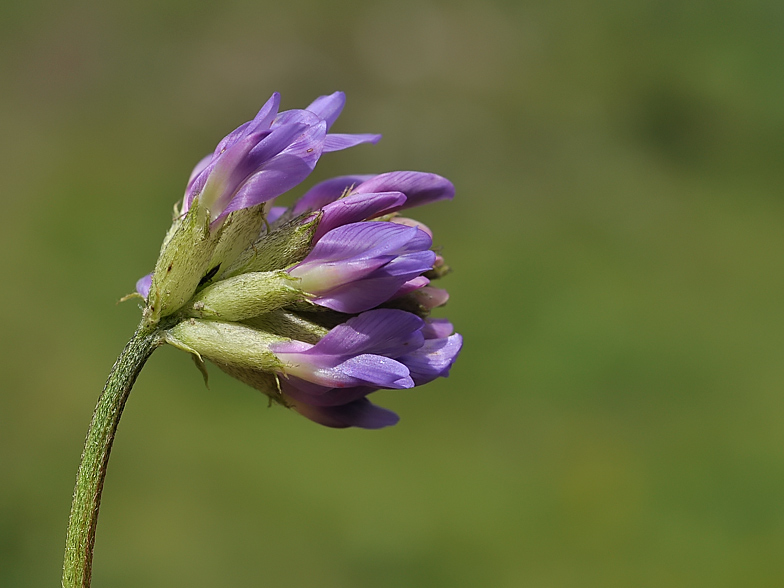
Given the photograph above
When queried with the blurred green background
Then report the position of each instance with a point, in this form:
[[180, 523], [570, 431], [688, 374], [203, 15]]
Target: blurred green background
[[617, 415]]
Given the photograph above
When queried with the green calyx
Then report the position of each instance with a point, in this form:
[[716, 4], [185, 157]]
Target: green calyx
[[244, 296], [185, 258], [231, 344], [278, 249]]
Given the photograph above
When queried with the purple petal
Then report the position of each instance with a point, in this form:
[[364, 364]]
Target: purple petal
[[353, 209], [411, 222], [200, 167], [367, 240], [437, 328], [276, 141], [374, 370], [328, 107], [325, 192], [266, 114], [275, 213], [316, 395], [360, 413], [431, 297], [411, 285], [433, 359], [353, 252], [338, 142], [218, 181], [297, 116], [359, 296], [260, 122], [143, 285], [382, 331], [377, 287], [332, 371], [282, 172], [419, 187]]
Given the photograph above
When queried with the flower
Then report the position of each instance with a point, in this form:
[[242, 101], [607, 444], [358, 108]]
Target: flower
[[358, 266], [267, 156], [319, 304]]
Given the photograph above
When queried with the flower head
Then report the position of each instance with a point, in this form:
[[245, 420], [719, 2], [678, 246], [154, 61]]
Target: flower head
[[317, 305]]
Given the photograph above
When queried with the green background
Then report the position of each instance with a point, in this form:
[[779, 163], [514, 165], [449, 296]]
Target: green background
[[617, 415]]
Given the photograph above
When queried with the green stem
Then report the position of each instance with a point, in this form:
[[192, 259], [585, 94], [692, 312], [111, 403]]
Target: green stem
[[77, 567]]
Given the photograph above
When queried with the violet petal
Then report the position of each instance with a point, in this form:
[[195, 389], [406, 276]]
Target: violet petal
[[143, 285], [437, 328], [319, 396], [338, 141], [383, 331], [325, 192], [419, 187], [377, 287], [433, 359], [360, 413], [328, 107], [360, 207]]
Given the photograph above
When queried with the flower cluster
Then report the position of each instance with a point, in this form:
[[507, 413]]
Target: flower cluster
[[319, 304]]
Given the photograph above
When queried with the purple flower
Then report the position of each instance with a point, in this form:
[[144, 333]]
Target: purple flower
[[329, 382], [357, 352], [244, 292], [267, 156], [358, 266], [349, 199]]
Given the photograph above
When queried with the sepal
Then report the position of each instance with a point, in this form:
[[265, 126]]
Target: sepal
[[184, 260], [245, 296], [280, 248], [226, 343]]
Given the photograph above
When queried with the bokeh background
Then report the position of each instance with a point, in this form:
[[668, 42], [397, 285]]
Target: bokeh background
[[617, 415]]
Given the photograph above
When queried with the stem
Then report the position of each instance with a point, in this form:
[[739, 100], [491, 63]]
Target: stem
[[77, 567]]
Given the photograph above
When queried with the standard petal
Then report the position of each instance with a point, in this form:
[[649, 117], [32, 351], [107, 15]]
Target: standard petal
[[260, 122], [419, 187], [224, 175], [266, 114], [297, 116], [366, 240], [283, 171], [382, 331], [328, 107], [338, 142]]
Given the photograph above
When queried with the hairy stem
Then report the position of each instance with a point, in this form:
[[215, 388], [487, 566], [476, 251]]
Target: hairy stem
[[77, 567]]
